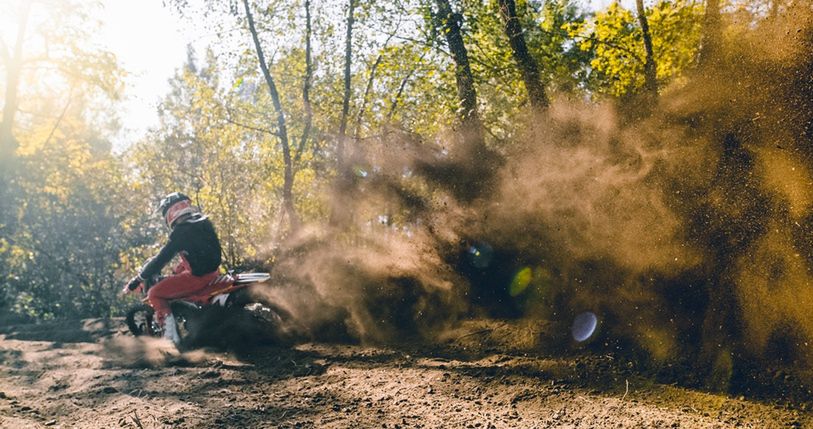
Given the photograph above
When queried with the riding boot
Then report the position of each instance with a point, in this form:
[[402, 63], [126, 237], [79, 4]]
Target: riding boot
[[171, 330]]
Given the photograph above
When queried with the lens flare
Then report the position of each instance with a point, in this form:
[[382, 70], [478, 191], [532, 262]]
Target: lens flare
[[521, 281], [584, 326], [480, 255], [360, 172]]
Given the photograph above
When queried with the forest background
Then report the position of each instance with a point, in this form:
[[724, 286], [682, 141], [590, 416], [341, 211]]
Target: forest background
[[408, 164]]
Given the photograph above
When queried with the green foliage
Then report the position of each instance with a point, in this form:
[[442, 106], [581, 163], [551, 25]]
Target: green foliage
[[67, 208], [72, 230], [613, 38], [499, 77]]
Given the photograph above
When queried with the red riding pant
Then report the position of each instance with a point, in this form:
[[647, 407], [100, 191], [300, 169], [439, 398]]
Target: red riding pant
[[183, 284]]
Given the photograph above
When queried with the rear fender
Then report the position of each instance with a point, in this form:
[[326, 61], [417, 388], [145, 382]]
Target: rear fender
[[184, 308], [239, 297], [247, 278]]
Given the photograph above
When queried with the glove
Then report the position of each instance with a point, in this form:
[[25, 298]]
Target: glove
[[133, 284]]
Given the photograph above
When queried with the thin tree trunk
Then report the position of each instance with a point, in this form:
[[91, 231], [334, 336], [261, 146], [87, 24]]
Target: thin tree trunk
[[469, 117], [650, 67], [306, 85], [519, 49], [401, 87], [348, 59], [8, 144], [59, 118], [369, 87], [711, 34], [367, 90], [288, 179]]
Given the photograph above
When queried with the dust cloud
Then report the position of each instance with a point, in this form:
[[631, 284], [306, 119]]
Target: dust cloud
[[687, 230], [147, 352]]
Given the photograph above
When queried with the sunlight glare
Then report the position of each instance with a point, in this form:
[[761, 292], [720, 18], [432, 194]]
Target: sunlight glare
[[150, 44]]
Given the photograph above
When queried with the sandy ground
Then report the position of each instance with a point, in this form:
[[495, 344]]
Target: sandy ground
[[103, 379]]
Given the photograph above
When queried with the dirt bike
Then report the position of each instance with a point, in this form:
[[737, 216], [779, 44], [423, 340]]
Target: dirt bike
[[225, 313]]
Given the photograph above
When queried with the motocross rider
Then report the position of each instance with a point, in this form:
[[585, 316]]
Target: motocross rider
[[192, 236]]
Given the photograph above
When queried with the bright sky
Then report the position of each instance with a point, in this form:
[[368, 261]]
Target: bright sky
[[150, 43]]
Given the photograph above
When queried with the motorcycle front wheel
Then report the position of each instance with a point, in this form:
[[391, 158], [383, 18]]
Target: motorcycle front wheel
[[139, 320]]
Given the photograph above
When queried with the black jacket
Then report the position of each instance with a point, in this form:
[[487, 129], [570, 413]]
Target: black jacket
[[197, 240]]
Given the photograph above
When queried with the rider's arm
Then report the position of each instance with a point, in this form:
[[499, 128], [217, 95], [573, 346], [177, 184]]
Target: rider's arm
[[164, 256]]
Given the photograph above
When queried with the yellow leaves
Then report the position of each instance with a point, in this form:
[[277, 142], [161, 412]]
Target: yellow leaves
[[615, 38], [21, 254]]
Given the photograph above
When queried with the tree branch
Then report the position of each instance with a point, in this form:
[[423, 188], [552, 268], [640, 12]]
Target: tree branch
[[8, 144], [61, 116], [401, 88], [519, 49], [251, 127], [232, 121], [613, 45], [371, 79], [367, 89]]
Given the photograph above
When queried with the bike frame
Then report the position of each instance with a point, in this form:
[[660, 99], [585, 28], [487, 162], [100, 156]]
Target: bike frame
[[223, 285]]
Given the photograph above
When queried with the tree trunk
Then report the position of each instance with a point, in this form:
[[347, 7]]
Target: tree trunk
[[711, 34], [341, 213], [348, 59], [288, 179], [14, 62], [650, 68], [469, 117], [469, 170], [8, 144], [306, 84], [519, 49], [367, 90]]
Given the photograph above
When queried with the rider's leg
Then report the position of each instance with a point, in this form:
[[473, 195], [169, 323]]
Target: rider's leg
[[175, 287]]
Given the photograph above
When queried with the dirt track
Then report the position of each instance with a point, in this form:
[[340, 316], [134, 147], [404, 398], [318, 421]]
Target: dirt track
[[110, 380]]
